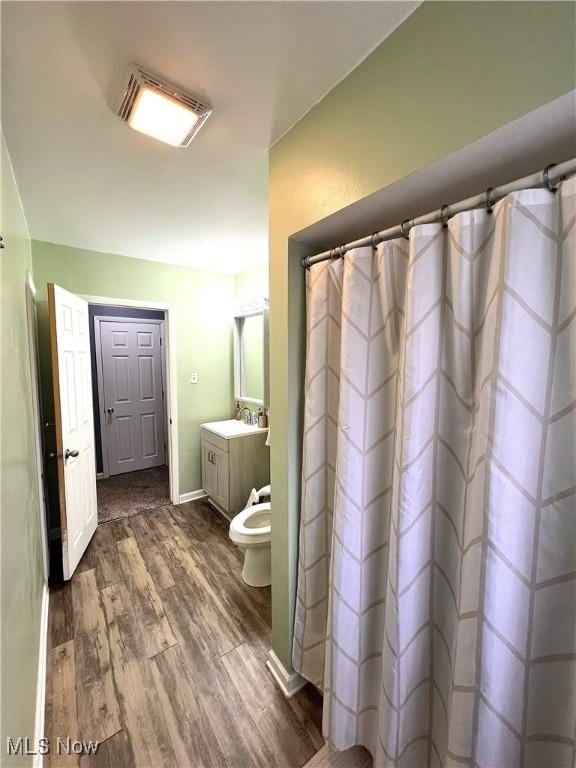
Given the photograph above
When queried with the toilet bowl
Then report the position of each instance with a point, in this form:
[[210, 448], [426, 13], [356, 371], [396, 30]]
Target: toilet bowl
[[251, 530]]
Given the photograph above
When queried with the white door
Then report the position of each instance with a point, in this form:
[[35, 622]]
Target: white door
[[133, 401], [73, 417]]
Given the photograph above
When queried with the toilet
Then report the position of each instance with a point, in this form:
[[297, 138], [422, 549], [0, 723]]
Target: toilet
[[251, 530]]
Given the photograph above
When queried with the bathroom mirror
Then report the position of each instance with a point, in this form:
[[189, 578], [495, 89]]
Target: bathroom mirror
[[251, 355]]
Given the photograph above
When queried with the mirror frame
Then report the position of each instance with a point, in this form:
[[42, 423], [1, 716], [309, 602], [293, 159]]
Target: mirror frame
[[239, 318]]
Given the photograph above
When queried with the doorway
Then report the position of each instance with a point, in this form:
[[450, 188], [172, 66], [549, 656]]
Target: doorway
[[71, 457], [129, 401]]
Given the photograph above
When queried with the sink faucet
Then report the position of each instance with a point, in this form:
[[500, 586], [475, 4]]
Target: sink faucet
[[248, 417]]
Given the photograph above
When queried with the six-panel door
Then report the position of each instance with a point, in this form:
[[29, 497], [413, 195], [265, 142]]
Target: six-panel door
[[74, 423], [133, 417]]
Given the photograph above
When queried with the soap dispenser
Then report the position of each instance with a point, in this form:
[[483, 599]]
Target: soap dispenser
[[262, 418], [238, 413]]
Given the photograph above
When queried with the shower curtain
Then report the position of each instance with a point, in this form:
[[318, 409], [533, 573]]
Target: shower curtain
[[436, 602]]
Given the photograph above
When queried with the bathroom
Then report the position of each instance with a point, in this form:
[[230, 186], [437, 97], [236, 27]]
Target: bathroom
[[139, 469]]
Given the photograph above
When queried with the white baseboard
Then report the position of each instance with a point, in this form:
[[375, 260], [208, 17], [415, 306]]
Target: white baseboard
[[192, 496], [41, 679], [288, 682]]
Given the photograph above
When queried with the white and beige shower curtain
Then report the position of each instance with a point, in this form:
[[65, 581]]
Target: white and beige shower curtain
[[436, 603]]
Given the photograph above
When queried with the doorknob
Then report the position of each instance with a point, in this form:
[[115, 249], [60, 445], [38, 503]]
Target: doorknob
[[110, 410], [68, 453]]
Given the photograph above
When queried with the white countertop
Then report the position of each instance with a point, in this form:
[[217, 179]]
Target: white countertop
[[232, 428]]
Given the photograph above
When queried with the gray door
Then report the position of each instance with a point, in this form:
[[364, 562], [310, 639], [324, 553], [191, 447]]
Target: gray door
[[133, 394]]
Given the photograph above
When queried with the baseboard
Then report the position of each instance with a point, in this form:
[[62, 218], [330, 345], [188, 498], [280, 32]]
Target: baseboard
[[288, 682], [41, 679], [219, 509], [192, 496]]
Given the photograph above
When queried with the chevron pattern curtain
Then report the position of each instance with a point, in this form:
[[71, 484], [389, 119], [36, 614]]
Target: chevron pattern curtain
[[436, 603]]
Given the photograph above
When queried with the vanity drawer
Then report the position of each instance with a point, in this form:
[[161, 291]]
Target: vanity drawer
[[216, 440]]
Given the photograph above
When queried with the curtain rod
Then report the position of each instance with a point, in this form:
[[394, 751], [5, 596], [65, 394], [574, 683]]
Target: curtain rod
[[550, 176]]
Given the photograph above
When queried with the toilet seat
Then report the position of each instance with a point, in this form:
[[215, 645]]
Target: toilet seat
[[252, 526]]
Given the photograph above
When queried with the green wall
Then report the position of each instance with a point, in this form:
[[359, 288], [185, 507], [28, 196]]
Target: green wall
[[451, 73], [251, 284], [204, 303], [22, 569]]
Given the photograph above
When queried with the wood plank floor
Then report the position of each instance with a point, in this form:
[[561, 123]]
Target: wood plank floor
[[157, 649], [355, 757]]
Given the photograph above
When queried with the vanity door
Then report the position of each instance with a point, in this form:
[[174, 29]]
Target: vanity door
[[209, 470], [222, 495], [215, 474]]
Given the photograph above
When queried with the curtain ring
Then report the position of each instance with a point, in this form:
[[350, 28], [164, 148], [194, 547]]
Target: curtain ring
[[342, 251], [375, 240], [443, 216], [546, 177], [333, 254], [489, 201], [405, 229]]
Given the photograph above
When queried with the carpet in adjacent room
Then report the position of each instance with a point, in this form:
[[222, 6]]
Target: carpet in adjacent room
[[132, 492]]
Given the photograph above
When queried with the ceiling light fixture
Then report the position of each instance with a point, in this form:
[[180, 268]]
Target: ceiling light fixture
[[153, 106]]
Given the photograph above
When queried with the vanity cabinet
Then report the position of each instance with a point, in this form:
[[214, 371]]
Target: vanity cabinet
[[235, 459]]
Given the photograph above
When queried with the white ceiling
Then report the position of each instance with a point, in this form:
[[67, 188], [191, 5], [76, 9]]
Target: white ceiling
[[88, 180]]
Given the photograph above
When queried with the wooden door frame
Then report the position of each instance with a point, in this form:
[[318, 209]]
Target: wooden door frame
[[98, 320], [171, 391], [32, 333]]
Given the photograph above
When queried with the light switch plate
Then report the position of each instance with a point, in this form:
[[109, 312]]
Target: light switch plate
[[193, 378]]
